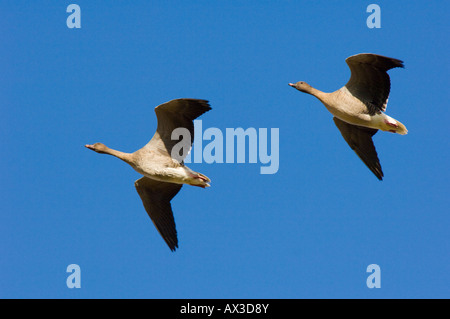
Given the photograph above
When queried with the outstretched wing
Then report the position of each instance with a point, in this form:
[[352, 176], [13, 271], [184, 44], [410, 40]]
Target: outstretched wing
[[369, 81], [179, 113], [360, 140], [156, 197]]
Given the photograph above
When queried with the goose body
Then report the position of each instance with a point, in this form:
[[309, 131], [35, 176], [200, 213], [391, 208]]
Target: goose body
[[359, 106], [163, 169]]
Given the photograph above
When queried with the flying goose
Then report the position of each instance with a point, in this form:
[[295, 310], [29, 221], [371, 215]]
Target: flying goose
[[359, 106], [164, 171]]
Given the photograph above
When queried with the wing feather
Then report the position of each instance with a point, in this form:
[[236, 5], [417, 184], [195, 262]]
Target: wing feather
[[360, 140], [156, 197], [179, 113], [369, 81]]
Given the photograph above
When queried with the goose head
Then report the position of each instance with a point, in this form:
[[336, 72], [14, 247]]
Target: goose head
[[98, 147], [301, 86]]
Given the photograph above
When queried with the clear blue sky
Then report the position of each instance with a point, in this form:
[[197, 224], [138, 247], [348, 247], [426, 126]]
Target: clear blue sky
[[309, 230]]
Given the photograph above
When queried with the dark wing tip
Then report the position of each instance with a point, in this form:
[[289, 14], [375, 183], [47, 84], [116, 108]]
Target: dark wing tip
[[190, 108], [360, 141], [379, 61], [172, 245], [170, 238], [377, 172], [156, 197], [372, 163], [397, 63], [195, 108], [199, 107]]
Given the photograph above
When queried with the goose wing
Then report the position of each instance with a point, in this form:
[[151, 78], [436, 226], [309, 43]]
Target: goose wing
[[369, 81], [179, 113], [360, 140], [156, 197]]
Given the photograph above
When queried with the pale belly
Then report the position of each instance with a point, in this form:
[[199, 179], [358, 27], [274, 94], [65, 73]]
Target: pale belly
[[356, 114], [165, 169], [348, 109], [177, 175], [378, 121]]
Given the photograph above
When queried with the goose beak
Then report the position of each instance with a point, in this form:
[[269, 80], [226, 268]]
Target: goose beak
[[89, 147], [292, 84]]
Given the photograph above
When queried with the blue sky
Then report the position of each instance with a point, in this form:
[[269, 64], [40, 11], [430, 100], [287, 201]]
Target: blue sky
[[308, 231]]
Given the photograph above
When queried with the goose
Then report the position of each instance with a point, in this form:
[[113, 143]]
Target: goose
[[358, 107], [161, 163]]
